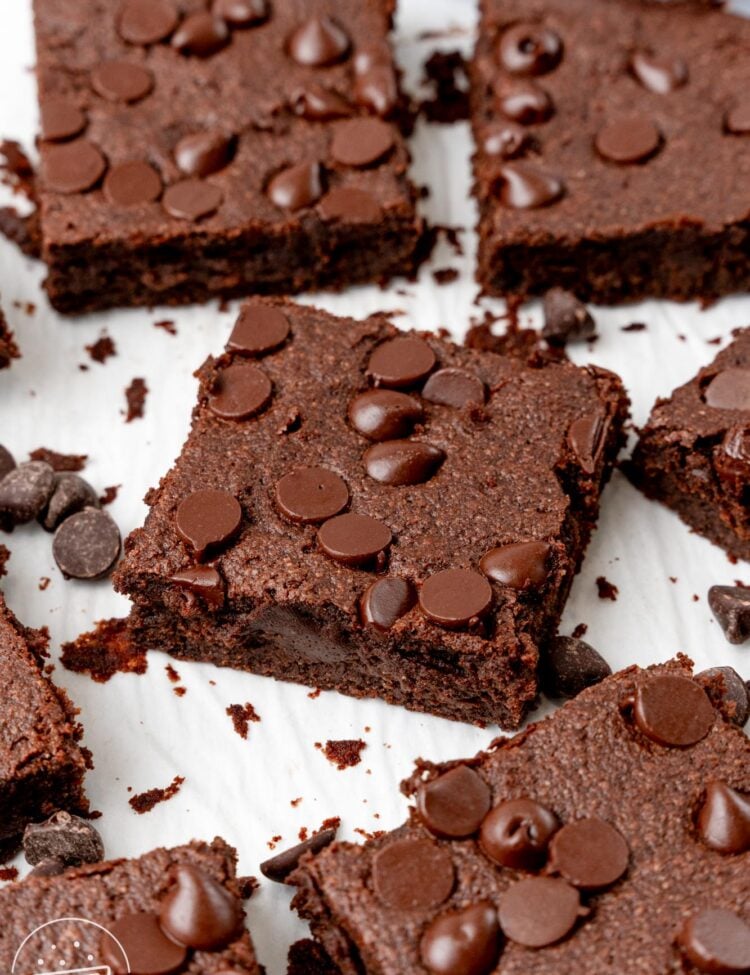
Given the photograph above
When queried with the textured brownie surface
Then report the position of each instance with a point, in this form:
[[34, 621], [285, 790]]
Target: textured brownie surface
[[8, 347], [96, 897], [674, 221], [103, 252], [512, 472], [695, 457], [41, 764], [587, 760]]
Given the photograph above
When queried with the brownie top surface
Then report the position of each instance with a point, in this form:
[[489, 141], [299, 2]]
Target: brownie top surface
[[632, 155], [248, 98], [590, 760]]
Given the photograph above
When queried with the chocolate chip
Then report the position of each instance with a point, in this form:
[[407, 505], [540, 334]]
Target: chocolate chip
[[192, 199], [146, 21], [375, 88], [296, 187], [198, 912], [454, 598], [539, 911], [203, 153], [86, 545], [132, 183], [147, 949], [62, 837], [208, 519], [361, 142], [121, 81], [732, 460], [402, 462], [516, 834], [659, 75], [737, 118], [201, 34], [260, 329], [72, 167], [673, 710], [241, 13], [529, 49], [354, 539], [586, 438], [71, 494], [453, 805], [311, 494], [524, 102], [384, 602], [465, 942], [279, 868], [25, 492], [319, 104], [589, 853], [60, 119], [507, 140], [318, 42], [724, 819], [717, 941], [525, 187], [380, 414], [455, 387], [7, 463], [48, 868], [569, 666], [349, 205], [521, 565], [566, 319], [729, 390], [240, 391], [728, 693], [203, 581], [401, 362], [412, 874], [629, 139]]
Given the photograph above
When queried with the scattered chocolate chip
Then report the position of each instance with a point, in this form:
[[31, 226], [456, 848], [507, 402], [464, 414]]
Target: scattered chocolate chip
[[198, 912], [319, 104], [203, 153], [539, 911], [382, 414], [717, 941], [526, 187], [724, 819], [279, 868], [201, 34], [566, 319], [259, 329], [240, 391], [132, 183], [296, 187], [453, 805], [121, 81], [146, 21], [728, 693], [464, 942], [455, 387], [318, 42], [354, 539], [529, 49], [402, 462], [586, 438], [72, 167], [629, 139], [589, 854], [349, 205], [729, 390], [48, 868], [516, 834], [70, 495], [7, 463], [521, 565], [737, 118], [384, 602], [241, 13], [401, 362], [506, 140], [569, 666], [64, 838], [203, 581], [25, 492], [660, 75], [673, 710], [86, 545], [454, 598], [147, 949], [311, 494], [524, 102], [412, 874], [208, 519], [361, 142], [60, 119], [192, 199]]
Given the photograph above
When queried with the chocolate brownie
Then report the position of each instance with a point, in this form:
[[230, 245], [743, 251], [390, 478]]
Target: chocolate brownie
[[191, 149], [613, 148], [8, 347], [612, 837], [169, 911], [694, 452], [41, 763], [378, 512]]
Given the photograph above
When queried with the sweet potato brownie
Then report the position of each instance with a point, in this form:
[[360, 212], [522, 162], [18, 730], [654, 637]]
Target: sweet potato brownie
[[188, 152], [169, 911], [694, 452], [378, 512], [41, 764], [612, 837], [613, 148]]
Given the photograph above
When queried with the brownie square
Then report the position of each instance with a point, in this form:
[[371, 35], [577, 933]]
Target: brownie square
[[41, 763], [187, 153], [93, 918], [596, 841], [392, 515], [613, 148], [694, 452]]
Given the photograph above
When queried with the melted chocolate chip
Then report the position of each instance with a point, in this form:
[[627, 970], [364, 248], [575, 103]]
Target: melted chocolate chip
[[384, 602], [659, 75], [529, 49], [60, 119], [454, 598], [525, 187], [732, 460], [131, 184], [241, 13], [354, 539], [86, 545], [279, 868], [260, 329], [539, 911], [465, 942], [455, 387], [524, 102], [717, 941], [673, 710], [147, 949], [402, 462], [382, 414], [192, 199], [296, 187], [506, 140], [318, 42], [412, 874], [201, 34], [319, 104], [589, 853], [361, 142], [401, 362], [311, 494], [521, 565], [208, 519], [203, 581], [73, 167], [240, 391], [146, 21], [629, 139], [198, 912], [453, 805], [724, 819], [729, 390], [349, 205], [587, 438], [203, 153], [121, 81], [516, 834]]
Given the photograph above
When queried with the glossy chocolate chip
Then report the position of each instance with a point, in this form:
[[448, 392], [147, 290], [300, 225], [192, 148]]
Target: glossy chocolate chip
[[729, 390], [401, 363], [240, 391], [375, 88], [132, 183], [629, 139], [717, 941], [87, 545], [65, 838], [402, 462], [455, 387], [529, 49], [412, 874], [203, 581], [660, 75], [384, 602], [296, 187], [454, 598], [454, 804], [198, 912], [201, 34], [260, 329], [521, 565], [569, 666], [524, 102], [192, 199], [737, 118], [354, 539], [590, 854], [25, 491], [383, 414], [71, 494], [146, 21], [121, 81], [566, 319], [147, 950], [346, 204], [208, 519], [465, 942], [732, 460], [728, 693], [318, 42], [673, 710], [60, 119], [539, 911], [241, 13], [203, 153], [361, 142], [526, 187], [311, 494], [724, 819], [516, 834], [319, 104], [7, 462], [72, 167], [586, 438], [506, 140], [279, 867]]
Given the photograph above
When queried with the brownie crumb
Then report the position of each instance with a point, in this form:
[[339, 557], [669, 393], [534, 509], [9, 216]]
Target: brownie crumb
[[580, 631], [307, 957], [365, 834], [167, 325], [44, 583], [104, 652], [248, 886], [8, 874], [8, 347], [295, 802], [4, 557], [446, 77], [179, 691], [135, 396], [242, 715], [144, 802], [333, 822], [304, 832], [59, 462], [172, 674], [345, 753], [634, 327], [606, 589], [314, 695], [445, 275], [109, 495], [101, 350]]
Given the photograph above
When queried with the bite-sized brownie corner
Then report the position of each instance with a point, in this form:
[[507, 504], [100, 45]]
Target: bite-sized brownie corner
[[176, 911], [610, 137], [8, 347], [42, 766], [694, 452], [377, 512], [170, 172], [612, 837]]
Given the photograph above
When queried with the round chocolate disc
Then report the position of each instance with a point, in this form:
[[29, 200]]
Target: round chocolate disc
[[413, 874], [192, 199], [345, 204], [465, 942], [454, 597], [401, 362], [386, 601], [717, 941], [361, 142], [539, 911], [259, 329], [147, 949], [72, 167], [354, 539], [132, 183], [673, 710], [402, 462], [121, 81], [241, 390], [522, 565], [60, 119], [383, 414], [311, 494], [146, 21], [516, 834], [454, 804], [454, 387], [198, 912], [86, 545], [207, 519], [630, 139], [589, 853], [729, 390]]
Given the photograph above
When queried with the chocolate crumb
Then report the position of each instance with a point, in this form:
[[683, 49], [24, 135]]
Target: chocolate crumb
[[248, 886], [445, 74], [167, 325], [59, 462], [295, 802], [144, 802], [445, 275], [307, 957], [345, 753], [580, 631], [314, 695], [634, 327], [8, 874], [242, 715], [44, 583], [607, 589], [172, 674], [101, 350], [110, 494], [104, 652], [135, 396], [179, 691], [4, 557]]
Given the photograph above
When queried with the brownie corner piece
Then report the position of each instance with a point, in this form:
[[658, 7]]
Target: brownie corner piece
[[378, 512], [693, 454], [608, 141]]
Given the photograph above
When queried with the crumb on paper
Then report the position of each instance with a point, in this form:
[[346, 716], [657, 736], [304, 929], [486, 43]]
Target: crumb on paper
[[242, 715], [104, 651], [101, 350], [59, 462], [144, 802], [135, 397], [344, 753], [606, 589]]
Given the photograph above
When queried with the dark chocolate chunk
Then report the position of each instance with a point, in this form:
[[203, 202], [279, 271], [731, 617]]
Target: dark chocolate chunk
[[673, 710], [731, 607], [311, 494], [386, 601], [296, 187], [729, 390], [401, 362], [413, 874], [260, 329], [628, 139], [724, 819], [203, 581], [361, 142], [660, 75], [521, 565], [566, 319], [717, 941], [454, 387], [569, 666], [7, 462], [526, 187], [539, 911], [318, 42], [60, 119], [280, 866], [241, 13], [516, 834], [589, 853], [203, 153], [240, 391], [192, 199], [72, 167], [146, 21], [87, 544], [382, 414], [728, 693], [453, 805], [201, 34], [198, 912], [62, 837], [465, 942], [25, 492], [354, 539], [208, 519], [132, 183], [122, 81], [529, 49], [147, 949], [71, 494], [400, 462]]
